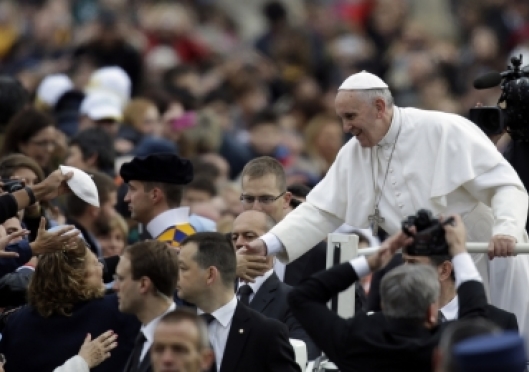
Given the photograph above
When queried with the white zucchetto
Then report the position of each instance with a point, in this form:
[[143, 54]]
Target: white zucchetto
[[363, 81]]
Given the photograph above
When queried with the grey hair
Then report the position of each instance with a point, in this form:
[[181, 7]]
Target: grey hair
[[184, 314], [370, 95], [460, 331], [407, 291]]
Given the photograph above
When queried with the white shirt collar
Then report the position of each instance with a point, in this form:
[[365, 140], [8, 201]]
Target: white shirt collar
[[258, 281], [225, 313], [167, 219], [391, 135], [148, 329], [451, 309]]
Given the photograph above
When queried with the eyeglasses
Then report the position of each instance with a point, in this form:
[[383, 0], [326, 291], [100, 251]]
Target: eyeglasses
[[263, 199]]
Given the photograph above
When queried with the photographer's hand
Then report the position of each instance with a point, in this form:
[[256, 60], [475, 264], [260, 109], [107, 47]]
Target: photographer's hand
[[501, 246], [455, 234], [387, 250]]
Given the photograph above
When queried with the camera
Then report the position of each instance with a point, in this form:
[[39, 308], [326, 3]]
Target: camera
[[12, 185], [429, 238], [512, 112]]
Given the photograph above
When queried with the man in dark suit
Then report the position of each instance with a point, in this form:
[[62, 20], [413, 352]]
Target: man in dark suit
[[403, 336], [242, 339], [448, 299], [146, 278], [267, 295]]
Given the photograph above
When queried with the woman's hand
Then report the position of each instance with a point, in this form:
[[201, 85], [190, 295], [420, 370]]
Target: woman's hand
[[50, 242], [96, 351]]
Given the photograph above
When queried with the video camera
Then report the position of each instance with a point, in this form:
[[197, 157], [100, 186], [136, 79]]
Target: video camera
[[512, 112], [429, 238]]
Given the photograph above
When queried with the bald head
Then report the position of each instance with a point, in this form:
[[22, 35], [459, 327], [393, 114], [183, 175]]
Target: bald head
[[249, 225]]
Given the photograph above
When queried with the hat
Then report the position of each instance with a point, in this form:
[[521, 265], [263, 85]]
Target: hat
[[52, 88], [82, 185], [153, 145], [164, 168], [111, 79], [99, 105], [491, 353], [363, 81]]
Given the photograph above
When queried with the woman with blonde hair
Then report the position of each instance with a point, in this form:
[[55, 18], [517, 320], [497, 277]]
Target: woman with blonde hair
[[66, 302]]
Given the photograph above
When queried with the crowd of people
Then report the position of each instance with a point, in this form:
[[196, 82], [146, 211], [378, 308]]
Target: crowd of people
[[226, 139]]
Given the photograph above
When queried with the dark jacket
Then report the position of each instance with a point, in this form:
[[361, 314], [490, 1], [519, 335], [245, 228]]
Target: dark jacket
[[33, 343], [271, 301], [371, 342], [8, 265], [258, 344]]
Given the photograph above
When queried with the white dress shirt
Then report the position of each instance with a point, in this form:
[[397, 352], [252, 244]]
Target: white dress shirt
[[451, 309], [166, 219], [255, 285], [219, 329], [148, 331]]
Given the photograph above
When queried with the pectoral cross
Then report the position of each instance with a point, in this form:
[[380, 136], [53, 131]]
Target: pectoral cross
[[375, 220]]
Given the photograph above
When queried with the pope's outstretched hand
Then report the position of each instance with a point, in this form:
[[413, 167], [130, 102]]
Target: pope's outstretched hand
[[256, 247]]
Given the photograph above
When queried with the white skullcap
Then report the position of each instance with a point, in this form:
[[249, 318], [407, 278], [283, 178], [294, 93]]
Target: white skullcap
[[82, 185], [100, 104], [363, 81], [52, 87], [112, 79]]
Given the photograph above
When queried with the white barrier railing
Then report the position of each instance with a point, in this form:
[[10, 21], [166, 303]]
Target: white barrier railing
[[344, 247], [522, 248]]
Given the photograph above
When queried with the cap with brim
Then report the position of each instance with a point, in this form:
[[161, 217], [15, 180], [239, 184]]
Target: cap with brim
[[104, 112]]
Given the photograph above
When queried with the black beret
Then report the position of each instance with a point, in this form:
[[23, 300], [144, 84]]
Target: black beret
[[164, 168]]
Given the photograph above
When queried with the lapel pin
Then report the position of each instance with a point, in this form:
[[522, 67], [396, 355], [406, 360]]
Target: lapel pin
[[241, 330]]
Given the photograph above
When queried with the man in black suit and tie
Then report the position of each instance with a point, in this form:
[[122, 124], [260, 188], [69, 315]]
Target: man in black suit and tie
[[403, 336], [146, 278], [242, 339], [448, 299], [267, 295]]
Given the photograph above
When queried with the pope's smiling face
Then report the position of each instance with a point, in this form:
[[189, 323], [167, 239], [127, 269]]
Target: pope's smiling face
[[367, 120]]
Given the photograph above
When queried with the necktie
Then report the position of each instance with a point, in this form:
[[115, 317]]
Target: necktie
[[134, 361], [208, 318], [440, 317], [245, 292]]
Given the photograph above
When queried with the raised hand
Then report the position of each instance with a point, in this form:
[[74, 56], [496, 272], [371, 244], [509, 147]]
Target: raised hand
[[96, 351]]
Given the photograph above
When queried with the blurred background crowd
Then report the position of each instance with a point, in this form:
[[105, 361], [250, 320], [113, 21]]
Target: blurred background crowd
[[222, 82]]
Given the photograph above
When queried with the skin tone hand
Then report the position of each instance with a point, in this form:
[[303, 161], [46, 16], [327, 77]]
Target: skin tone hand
[[249, 267], [96, 351], [387, 250], [501, 246], [256, 248], [4, 242], [455, 235], [49, 242]]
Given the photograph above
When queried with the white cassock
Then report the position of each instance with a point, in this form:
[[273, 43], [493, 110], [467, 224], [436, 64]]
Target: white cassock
[[441, 162]]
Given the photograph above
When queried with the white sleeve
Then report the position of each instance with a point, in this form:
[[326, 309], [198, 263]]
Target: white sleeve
[[300, 230], [74, 364], [501, 189], [464, 269], [273, 244], [360, 266]]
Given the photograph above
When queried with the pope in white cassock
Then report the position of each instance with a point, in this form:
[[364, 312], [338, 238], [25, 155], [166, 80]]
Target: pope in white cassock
[[404, 159]]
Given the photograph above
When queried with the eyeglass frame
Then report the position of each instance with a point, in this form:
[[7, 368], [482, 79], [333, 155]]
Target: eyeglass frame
[[269, 199]]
